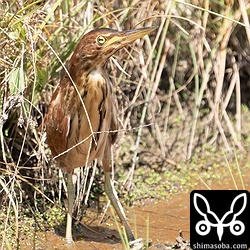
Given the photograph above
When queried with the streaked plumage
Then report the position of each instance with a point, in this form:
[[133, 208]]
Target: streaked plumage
[[81, 122]]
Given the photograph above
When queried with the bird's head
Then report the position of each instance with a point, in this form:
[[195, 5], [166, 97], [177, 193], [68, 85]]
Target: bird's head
[[98, 45]]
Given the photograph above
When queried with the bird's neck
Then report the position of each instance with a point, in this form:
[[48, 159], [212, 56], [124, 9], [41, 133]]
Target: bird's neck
[[97, 72], [82, 70], [95, 77]]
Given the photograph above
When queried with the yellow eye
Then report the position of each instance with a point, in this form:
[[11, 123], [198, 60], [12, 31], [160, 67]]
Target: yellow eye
[[101, 40]]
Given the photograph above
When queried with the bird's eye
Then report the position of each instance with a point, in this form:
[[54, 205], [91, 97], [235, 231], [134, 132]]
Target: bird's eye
[[101, 40]]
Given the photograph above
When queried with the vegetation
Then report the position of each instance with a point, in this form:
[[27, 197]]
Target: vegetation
[[183, 94]]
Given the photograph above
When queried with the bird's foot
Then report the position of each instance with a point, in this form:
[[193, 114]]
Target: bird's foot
[[69, 241], [136, 244]]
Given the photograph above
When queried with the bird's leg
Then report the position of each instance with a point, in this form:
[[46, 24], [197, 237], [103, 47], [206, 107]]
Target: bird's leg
[[71, 198], [110, 191]]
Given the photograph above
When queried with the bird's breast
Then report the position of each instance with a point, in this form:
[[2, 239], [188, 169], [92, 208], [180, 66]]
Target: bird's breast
[[90, 117]]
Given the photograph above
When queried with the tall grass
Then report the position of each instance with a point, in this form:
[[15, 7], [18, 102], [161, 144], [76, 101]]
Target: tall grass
[[190, 79]]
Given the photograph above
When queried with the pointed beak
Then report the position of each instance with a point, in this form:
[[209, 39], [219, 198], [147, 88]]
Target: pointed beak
[[126, 37], [131, 35]]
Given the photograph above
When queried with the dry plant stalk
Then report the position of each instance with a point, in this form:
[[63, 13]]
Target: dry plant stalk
[[197, 71]]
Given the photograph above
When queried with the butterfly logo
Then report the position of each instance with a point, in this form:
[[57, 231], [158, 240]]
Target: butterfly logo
[[203, 227]]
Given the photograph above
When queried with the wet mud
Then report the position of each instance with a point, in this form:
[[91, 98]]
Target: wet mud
[[158, 222]]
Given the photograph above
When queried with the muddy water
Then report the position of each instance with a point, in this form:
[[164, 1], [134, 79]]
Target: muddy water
[[165, 219], [160, 222]]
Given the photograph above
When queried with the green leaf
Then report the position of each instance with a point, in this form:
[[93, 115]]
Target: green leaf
[[17, 81]]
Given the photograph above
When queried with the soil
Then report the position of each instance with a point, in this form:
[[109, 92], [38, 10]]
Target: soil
[[159, 222], [162, 220]]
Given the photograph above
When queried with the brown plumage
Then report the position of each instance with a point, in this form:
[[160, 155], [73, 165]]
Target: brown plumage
[[81, 123]]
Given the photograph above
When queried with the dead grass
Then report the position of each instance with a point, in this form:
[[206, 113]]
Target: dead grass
[[181, 91]]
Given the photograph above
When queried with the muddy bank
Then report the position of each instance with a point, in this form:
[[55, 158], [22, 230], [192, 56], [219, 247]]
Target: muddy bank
[[160, 222]]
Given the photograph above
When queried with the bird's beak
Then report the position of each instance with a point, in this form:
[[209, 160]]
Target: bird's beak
[[126, 37], [131, 35]]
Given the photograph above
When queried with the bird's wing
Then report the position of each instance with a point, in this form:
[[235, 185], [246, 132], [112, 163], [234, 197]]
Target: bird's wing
[[57, 122]]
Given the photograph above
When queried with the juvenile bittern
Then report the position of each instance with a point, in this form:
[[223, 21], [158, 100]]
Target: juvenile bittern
[[81, 122]]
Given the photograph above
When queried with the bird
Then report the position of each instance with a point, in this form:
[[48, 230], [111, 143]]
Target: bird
[[81, 122]]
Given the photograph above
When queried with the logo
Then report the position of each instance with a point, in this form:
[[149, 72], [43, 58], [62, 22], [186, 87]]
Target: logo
[[219, 217]]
